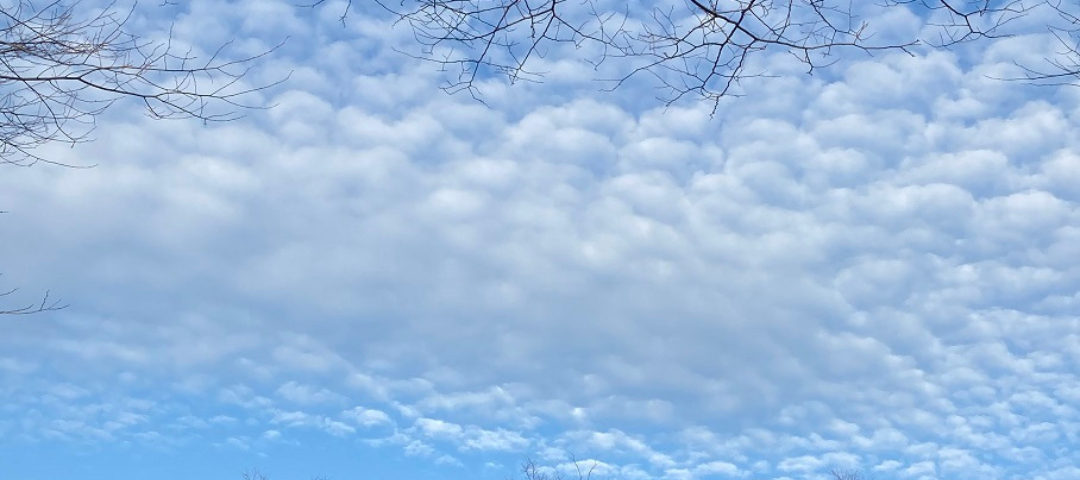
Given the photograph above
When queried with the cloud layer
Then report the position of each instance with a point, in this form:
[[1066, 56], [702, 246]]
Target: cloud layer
[[873, 269]]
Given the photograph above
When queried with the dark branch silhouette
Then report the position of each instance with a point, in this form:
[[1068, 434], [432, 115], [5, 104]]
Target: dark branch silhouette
[[703, 48], [46, 304], [58, 72], [532, 471]]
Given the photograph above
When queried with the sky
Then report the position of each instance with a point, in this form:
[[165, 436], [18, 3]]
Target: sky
[[874, 267]]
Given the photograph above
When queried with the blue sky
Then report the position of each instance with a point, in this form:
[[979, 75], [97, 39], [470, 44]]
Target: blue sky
[[875, 267]]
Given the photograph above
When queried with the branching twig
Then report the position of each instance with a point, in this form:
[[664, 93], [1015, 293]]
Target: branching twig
[[702, 50], [47, 304], [59, 72]]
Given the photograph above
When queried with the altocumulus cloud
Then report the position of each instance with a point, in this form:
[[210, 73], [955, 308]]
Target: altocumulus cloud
[[877, 268]]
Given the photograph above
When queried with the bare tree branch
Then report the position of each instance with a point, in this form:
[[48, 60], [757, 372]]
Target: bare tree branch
[[58, 72], [1064, 69], [701, 49], [45, 305], [255, 474], [532, 471], [848, 474]]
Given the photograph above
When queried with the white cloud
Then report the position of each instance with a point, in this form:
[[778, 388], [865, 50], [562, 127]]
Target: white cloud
[[367, 417], [469, 437], [725, 469]]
